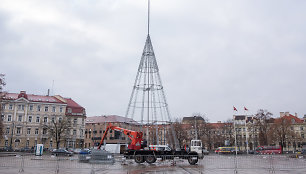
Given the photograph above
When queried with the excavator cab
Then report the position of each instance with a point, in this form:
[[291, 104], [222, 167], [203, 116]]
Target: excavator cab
[[144, 144]]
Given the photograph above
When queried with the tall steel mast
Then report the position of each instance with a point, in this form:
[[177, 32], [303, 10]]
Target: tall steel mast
[[148, 104]]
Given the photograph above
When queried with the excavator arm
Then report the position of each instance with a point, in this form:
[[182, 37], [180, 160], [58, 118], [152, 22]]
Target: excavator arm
[[135, 136]]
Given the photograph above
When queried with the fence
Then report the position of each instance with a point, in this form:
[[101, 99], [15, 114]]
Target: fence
[[211, 163]]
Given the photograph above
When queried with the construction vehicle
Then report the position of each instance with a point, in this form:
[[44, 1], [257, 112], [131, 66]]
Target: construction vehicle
[[140, 152]]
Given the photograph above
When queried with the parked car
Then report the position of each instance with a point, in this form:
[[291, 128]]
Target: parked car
[[85, 151], [26, 149], [76, 151], [61, 152], [6, 149], [205, 152]]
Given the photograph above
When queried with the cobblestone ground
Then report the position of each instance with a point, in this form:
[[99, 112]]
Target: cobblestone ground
[[223, 164]]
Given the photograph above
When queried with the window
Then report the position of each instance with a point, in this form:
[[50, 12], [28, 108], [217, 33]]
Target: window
[[302, 135], [301, 128], [61, 109], [11, 107], [3, 106], [74, 132], [60, 119], [7, 130], [38, 108], [31, 107], [2, 117], [81, 132], [19, 117], [36, 131], [45, 119], [37, 119], [28, 143], [45, 131], [69, 110], [53, 109], [30, 119], [21, 107], [18, 130], [53, 119], [75, 121], [46, 108], [6, 143], [83, 122], [29, 131], [9, 118]]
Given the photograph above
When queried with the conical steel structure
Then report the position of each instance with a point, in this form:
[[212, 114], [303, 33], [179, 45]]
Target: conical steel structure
[[148, 105]]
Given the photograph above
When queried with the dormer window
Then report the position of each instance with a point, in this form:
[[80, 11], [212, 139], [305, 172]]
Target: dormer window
[[292, 121], [69, 110]]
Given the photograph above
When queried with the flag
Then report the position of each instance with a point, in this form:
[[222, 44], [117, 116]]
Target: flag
[[235, 109], [245, 109]]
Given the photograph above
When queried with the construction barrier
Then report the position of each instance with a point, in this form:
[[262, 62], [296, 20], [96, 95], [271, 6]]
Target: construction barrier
[[19, 163]]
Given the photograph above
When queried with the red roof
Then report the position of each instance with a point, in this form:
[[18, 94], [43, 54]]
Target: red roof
[[76, 109], [290, 118], [32, 97]]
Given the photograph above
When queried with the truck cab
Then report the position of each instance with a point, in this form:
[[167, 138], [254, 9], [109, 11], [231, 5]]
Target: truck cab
[[196, 146]]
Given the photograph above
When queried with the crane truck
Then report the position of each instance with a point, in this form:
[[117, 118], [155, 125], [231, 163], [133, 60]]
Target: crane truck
[[140, 152]]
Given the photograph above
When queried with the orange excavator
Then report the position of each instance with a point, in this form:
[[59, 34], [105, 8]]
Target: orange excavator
[[135, 136]]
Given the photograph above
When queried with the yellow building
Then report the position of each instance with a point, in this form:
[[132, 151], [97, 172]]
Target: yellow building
[[26, 118]]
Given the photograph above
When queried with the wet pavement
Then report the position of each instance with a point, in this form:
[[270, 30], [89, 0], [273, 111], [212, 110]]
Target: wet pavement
[[217, 164]]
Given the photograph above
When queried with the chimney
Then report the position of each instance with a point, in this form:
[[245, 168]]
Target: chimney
[[281, 114], [287, 113], [295, 115], [48, 92]]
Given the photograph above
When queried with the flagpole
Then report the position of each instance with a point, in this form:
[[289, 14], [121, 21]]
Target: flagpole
[[234, 120], [246, 129]]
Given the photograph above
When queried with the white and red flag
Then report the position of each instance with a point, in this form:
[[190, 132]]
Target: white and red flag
[[235, 109]]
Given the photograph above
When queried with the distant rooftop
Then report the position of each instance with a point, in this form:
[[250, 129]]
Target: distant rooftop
[[109, 119]]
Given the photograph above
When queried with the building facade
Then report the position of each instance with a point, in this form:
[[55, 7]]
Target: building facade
[[28, 117], [95, 128]]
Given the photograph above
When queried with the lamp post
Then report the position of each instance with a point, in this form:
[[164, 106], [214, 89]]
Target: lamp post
[[195, 127]]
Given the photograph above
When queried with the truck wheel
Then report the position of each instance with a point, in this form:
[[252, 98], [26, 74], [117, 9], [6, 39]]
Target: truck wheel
[[139, 159], [193, 160], [150, 159]]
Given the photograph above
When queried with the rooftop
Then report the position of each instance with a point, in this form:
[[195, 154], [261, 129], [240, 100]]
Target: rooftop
[[109, 119]]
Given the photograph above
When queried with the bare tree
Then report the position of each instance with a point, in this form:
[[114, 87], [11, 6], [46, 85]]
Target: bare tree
[[282, 131], [59, 130], [2, 84], [181, 132], [228, 131], [263, 118]]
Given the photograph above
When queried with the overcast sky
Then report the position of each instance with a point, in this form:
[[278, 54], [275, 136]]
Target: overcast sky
[[212, 55]]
